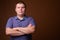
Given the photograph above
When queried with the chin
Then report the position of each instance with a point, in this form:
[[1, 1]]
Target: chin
[[20, 14]]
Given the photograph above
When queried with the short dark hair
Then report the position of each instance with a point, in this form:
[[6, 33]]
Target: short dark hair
[[21, 2]]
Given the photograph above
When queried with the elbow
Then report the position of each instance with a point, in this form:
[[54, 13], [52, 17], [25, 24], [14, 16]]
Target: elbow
[[7, 33], [32, 31]]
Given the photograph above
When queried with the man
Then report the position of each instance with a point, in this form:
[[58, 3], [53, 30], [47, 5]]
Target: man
[[20, 26]]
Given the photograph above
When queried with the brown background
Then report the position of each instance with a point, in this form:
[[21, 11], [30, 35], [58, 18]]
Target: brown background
[[45, 13]]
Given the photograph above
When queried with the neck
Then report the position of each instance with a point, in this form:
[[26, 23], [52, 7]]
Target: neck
[[20, 16]]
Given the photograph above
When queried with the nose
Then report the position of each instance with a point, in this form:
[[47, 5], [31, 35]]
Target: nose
[[20, 8]]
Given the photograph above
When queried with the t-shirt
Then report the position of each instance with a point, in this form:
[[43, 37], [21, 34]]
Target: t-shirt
[[14, 22]]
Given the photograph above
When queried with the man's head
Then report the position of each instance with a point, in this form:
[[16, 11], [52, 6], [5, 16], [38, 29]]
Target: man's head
[[20, 8]]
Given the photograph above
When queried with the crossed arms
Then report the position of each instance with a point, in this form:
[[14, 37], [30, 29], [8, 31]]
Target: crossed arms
[[20, 30]]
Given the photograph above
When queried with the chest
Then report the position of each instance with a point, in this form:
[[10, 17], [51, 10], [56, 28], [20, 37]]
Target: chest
[[19, 23]]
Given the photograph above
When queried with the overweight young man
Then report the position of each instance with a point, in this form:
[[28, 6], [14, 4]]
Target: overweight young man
[[20, 27]]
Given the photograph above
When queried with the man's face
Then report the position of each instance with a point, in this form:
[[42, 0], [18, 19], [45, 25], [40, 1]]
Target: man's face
[[20, 9]]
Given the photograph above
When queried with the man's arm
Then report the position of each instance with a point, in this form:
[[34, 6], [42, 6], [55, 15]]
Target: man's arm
[[20, 31], [27, 30], [13, 32]]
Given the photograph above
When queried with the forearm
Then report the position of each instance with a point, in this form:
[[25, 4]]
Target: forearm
[[27, 30], [13, 32], [16, 33]]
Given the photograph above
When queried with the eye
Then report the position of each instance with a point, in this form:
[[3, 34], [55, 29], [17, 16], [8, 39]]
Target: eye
[[23, 7], [18, 7]]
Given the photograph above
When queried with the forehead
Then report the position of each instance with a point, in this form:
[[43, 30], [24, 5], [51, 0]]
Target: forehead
[[20, 5]]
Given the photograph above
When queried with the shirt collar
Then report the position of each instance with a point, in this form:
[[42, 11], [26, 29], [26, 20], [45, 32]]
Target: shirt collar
[[19, 19]]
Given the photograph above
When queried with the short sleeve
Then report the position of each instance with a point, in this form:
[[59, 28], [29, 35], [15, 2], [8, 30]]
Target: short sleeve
[[9, 23], [32, 21]]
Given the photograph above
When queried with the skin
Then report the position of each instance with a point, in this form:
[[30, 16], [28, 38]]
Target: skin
[[20, 10]]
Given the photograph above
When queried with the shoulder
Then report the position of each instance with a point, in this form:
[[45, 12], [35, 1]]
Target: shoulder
[[11, 18], [29, 18]]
